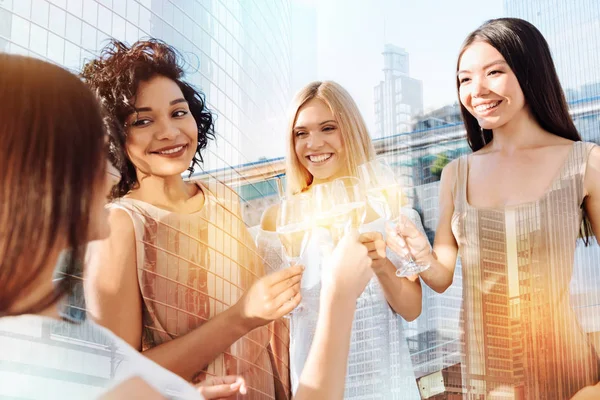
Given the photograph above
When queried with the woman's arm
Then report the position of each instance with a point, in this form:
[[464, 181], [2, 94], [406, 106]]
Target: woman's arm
[[114, 300], [442, 259], [112, 293], [404, 295], [348, 272]]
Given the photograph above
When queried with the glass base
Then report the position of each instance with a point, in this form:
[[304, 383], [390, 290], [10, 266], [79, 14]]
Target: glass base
[[410, 268]]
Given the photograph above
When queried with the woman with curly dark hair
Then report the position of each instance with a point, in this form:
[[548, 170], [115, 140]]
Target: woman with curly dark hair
[[179, 253], [54, 183]]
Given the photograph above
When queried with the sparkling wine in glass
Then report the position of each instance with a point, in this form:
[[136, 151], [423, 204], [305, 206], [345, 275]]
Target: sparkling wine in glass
[[324, 210], [350, 201], [294, 225]]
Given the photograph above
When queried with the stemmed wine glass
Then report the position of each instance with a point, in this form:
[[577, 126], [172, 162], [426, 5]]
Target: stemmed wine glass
[[324, 209], [350, 200], [294, 225], [384, 195]]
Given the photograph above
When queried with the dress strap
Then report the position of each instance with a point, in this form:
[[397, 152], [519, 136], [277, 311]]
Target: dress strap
[[583, 156], [459, 191]]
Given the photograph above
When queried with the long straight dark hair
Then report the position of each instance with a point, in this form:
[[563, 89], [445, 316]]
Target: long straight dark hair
[[528, 55], [52, 155]]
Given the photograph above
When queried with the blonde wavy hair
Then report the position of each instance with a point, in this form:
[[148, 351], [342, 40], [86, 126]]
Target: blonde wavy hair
[[355, 137]]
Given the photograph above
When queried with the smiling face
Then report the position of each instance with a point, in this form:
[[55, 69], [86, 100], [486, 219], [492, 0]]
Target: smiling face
[[162, 135], [318, 141], [488, 88]]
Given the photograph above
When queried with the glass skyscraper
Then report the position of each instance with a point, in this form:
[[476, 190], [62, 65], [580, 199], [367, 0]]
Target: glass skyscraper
[[236, 51], [239, 52]]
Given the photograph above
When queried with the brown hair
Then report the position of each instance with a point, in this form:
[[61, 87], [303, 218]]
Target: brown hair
[[115, 77], [51, 156], [528, 55]]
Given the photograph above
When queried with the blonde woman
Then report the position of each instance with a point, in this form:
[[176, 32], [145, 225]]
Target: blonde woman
[[327, 139]]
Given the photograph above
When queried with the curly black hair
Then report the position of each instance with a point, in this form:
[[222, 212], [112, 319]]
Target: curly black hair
[[115, 76]]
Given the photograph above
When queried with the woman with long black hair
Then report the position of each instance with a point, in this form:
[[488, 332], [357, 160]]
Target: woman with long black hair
[[513, 211]]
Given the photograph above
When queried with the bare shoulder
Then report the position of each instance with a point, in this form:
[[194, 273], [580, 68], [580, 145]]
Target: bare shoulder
[[450, 169], [594, 159], [592, 174], [121, 224], [268, 221], [449, 174], [108, 256]]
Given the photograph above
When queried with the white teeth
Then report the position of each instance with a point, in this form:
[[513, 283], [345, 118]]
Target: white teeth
[[485, 107], [320, 158], [171, 151]]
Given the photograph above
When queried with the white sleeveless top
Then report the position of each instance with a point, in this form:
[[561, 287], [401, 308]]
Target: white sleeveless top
[[379, 363], [45, 358]]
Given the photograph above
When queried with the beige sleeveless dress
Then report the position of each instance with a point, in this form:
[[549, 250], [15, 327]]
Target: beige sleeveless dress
[[521, 338], [192, 267]]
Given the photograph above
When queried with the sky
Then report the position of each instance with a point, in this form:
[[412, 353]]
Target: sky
[[342, 40]]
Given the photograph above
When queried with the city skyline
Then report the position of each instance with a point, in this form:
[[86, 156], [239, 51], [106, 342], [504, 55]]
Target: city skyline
[[249, 71], [432, 40], [312, 44]]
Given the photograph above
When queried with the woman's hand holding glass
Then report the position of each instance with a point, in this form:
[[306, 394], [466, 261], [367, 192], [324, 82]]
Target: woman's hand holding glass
[[385, 196], [406, 240], [376, 245], [271, 297]]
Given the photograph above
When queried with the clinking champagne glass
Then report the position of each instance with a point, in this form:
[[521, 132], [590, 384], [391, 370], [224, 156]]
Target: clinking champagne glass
[[339, 206], [351, 202], [294, 227], [324, 210], [384, 195], [350, 199]]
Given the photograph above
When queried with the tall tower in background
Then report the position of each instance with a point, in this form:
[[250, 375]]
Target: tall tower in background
[[398, 97]]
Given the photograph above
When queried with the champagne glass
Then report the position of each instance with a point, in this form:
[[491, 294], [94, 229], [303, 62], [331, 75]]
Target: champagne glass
[[324, 208], [337, 208], [350, 200], [339, 205], [384, 195], [294, 225]]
